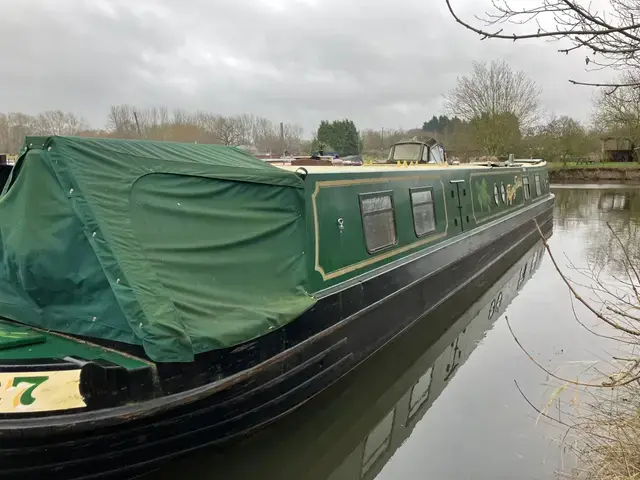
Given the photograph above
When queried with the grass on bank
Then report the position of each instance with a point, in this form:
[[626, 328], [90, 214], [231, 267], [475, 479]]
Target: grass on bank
[[579, 166], [608, 435]]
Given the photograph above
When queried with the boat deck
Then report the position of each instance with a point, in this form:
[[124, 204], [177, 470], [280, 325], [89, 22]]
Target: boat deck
[[388, 167]]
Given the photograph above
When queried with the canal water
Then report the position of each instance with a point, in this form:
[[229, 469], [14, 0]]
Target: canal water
[[456, 406]]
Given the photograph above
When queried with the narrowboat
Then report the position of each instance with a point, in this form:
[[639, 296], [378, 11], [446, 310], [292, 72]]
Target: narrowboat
[[158, 297]]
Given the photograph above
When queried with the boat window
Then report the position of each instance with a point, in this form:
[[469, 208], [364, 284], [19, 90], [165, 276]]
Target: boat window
[[536, 178], [525, 187], [407, 151], [377, 443], [378, 220], [436, 154], [420, 393], [503, 193], [496, 195], [424, 214], [425, 155]]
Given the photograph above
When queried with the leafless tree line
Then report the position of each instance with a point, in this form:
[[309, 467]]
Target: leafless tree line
[[14, 126], [608, 32], [156, 123]]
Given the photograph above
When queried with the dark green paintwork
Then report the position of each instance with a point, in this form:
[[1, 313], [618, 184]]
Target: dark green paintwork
[[343, 255], [12, 335], [51, 346]]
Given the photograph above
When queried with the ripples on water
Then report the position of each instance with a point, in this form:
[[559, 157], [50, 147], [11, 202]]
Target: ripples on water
[[448, 407]]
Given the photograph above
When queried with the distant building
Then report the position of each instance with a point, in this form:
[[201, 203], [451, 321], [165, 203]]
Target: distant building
[[618, 149]]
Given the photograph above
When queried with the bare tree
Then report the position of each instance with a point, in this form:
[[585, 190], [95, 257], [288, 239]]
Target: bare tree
[[495, 89], [182, 117], [57, 122], [121, 121], [497, 102], [14, 126], [609, 35], [496, 134], [292, 137], [226, 129], [618, 112], [245, 125], [264, 135]]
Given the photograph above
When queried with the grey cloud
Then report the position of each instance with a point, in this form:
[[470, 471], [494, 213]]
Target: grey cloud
[[383, 63]]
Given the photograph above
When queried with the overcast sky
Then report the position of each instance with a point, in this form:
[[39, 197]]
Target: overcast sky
[[383, 63]]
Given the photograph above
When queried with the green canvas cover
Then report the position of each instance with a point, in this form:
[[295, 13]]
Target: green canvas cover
[[180, 248]]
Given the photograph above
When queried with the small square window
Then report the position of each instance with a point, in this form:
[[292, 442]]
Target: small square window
[[378, 220], [424, 213]]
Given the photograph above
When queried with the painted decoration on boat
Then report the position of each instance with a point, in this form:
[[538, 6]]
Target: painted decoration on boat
[[503, 185], [22, 392], [484, 199], [512, 189]]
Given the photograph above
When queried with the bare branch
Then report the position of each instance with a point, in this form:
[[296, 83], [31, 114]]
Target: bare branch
[[615, 86], [614, 38], [540, 34], [578, 296]]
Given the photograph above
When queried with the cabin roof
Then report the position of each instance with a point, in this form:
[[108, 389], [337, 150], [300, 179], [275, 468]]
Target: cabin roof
[[387, 167], [321, 169]]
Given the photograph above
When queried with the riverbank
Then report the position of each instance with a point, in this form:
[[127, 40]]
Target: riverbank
[[571, 173]]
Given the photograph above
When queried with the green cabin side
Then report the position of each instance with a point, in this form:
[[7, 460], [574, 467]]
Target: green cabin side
[[419, 209]]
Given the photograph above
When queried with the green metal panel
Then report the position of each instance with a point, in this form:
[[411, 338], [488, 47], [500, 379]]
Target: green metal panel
[[43, 345], [507, 180], [464, 200], [12, 335], [341, 254]]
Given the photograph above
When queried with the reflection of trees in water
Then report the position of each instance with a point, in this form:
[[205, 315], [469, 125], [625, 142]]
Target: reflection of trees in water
[[590, 210]]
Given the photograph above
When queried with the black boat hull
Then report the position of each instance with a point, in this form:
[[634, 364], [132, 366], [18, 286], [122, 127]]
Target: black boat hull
[[129, 440]]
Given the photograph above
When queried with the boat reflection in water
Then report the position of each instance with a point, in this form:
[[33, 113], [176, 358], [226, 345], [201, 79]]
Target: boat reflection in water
[[614, 201], [354, 428]]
